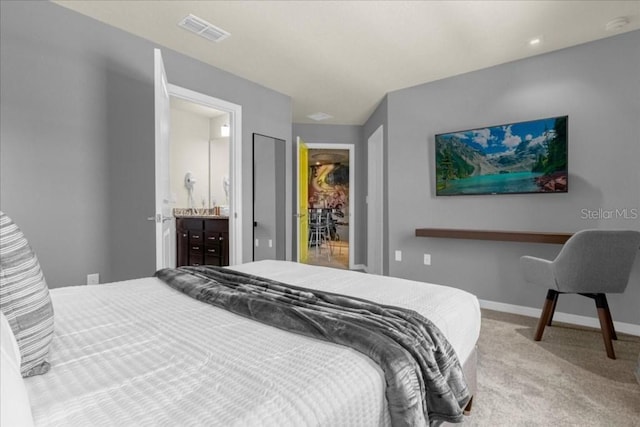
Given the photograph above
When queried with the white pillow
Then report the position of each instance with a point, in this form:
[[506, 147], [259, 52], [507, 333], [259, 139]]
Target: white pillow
[[8, 340], [24, 298], [14, 401]]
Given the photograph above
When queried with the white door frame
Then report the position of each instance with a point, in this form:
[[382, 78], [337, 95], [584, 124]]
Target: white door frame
[[375, 211], [352, 191], [235, 162]]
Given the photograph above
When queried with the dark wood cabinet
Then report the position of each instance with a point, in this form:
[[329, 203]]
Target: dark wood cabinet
[[202, 241]]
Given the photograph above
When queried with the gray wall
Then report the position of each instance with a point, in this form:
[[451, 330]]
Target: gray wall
[[76, 152], [77, 138], [598, 86], [341, 134]]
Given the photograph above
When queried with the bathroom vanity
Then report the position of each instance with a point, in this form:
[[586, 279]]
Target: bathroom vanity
[[202, 240]]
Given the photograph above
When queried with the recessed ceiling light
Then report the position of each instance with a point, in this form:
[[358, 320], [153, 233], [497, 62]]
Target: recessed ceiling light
[[617, 23], [536, 41], [203, 28], [319, 116]]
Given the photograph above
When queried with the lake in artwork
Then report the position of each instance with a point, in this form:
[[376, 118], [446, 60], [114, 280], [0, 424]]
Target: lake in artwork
[[524, 157], [517, 182]]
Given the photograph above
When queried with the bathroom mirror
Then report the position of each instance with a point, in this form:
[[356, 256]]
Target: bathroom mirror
[[199, 156], [269, 193]]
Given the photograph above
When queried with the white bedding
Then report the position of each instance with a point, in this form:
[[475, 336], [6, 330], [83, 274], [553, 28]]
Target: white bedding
[[140, 353]]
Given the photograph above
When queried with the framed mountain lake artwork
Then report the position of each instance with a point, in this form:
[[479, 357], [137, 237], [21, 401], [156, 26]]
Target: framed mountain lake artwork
[[523, 157]]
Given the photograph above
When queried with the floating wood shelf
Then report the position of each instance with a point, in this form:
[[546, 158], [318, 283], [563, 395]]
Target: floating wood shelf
[[507, 236]]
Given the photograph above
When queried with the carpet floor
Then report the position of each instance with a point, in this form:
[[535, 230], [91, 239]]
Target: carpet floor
[[564, 380]]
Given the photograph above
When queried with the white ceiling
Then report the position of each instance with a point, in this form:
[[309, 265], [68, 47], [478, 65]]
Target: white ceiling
[[342, 57]]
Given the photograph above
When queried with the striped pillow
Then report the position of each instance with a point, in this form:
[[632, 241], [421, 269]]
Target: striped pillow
[[24, 298]]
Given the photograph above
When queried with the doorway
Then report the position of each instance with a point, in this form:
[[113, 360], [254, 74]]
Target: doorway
[[232, 184], [165, 223], [330, 216], [269, 201]]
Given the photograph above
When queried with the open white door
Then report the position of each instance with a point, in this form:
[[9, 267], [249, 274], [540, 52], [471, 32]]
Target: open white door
[[165, 226], [374, 203]]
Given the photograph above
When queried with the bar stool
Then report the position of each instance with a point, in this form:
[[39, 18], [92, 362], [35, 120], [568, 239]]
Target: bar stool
[[320, 230]]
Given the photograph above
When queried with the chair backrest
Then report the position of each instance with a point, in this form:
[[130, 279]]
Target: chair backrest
[[320, 221], [597, 261]]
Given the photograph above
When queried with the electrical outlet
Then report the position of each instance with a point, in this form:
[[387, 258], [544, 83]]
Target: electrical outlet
[[257, 243], [93, 279], [398, 255], [270, 243], [427, 259]]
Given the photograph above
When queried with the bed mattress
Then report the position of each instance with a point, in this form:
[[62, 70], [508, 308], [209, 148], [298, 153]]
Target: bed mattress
[[141, 353]]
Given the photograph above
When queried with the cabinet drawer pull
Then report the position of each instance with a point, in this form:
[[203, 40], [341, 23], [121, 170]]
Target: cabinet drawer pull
[[195, 248], [195, 236]]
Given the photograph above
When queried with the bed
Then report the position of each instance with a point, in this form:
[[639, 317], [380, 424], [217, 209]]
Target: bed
[[139, 352]]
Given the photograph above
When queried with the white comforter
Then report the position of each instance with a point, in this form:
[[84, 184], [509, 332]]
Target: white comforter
[[140, 353]]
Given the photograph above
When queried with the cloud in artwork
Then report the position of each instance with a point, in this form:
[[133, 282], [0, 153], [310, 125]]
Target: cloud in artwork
[[461, 135], [510, 141], [482, 137]]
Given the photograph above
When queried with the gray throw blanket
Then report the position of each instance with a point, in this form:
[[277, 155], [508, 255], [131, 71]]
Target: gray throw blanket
[[424, 379]]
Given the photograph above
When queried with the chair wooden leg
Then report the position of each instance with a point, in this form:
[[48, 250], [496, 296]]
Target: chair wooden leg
[[547, 312], [614, 336], [553, 308], [606, 324], [467, 409]]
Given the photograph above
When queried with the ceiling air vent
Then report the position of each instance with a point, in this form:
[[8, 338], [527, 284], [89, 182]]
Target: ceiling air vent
[[203, 28], [319, 116]]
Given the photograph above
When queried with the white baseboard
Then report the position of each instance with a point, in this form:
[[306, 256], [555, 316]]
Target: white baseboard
[[627, 328], [359, 267]]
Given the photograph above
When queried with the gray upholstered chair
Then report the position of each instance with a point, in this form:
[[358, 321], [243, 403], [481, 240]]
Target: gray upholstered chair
[[591, 263]]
